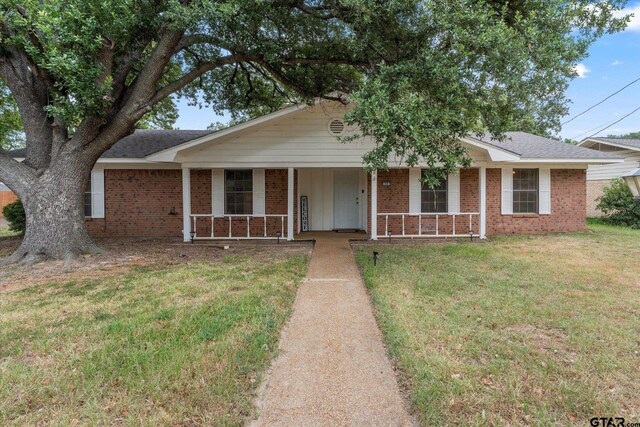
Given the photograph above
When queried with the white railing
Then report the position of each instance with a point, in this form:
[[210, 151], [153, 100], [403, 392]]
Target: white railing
[[464, 232], [246, 219]]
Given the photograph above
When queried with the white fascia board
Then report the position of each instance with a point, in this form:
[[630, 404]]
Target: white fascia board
[[169, 154], [612, 144], [572, 160], [495, 153]]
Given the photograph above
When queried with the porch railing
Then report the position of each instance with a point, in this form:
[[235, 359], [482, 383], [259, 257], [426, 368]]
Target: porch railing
[[239, 221], [454, 227]]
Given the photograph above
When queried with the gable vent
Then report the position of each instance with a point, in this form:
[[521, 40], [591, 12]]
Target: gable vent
[[336, 127]]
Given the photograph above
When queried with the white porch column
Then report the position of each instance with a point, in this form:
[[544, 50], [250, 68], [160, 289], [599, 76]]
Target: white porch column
[[290, 195], [483, 202], [374, 205], [186, 204]]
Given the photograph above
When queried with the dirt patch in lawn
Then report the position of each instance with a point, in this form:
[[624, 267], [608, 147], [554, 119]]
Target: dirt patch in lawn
[[122, 255], [549, 341]]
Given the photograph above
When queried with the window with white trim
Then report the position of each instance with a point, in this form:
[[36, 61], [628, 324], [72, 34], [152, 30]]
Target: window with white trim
[[434, 200], [88, 203], [525, 190], [238, 192]]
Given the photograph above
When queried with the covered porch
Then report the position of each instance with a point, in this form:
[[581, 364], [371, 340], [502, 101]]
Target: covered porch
[[285, 203]]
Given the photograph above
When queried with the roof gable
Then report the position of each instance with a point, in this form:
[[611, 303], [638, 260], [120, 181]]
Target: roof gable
[[627, 143]]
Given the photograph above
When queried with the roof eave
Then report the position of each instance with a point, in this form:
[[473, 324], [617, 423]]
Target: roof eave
[[612, 144], [496, 154], [572, 160]]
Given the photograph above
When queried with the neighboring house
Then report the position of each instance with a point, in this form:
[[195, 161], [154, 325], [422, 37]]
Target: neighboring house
[[286, 172], [600, 176], [6, 196]]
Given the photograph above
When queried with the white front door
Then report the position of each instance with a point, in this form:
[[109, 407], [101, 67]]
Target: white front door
[[345, 199]]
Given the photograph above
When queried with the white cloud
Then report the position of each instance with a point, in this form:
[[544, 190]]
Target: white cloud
[[616, 62], [581, 70], [634, 24]]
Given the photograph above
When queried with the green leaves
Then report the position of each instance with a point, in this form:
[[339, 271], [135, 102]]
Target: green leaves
[[11, 135], [462, 67], [422, 73], [619, 206]]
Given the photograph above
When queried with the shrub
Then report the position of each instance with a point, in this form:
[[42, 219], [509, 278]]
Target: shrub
[[14, 213], [619, 206]]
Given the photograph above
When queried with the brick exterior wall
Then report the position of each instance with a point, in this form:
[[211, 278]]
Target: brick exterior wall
[[148, 203], [568, 206], [140, 203], [595, 189], [6, 197], [394, 198]]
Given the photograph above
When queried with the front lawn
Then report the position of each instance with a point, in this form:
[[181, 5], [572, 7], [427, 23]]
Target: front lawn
[[5, 232], [520, 330], [156, 345]]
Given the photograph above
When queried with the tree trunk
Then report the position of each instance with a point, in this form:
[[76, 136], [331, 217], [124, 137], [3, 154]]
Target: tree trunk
[[54, 208]]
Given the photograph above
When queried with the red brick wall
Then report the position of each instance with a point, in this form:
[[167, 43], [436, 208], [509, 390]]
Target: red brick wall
[[568, 206], [6, 197], [142, 203], [395, 199], [148, 203]]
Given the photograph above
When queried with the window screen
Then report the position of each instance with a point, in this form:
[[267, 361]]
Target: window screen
[[525, 191], [239, 192], [88, 211], [435, 200]]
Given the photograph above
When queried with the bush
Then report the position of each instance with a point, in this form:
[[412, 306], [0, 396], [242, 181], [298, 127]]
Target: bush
[[619, 206], [14, 213]]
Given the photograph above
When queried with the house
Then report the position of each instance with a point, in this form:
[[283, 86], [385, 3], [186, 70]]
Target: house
[[6, 196], [600, 176], [285, 173]]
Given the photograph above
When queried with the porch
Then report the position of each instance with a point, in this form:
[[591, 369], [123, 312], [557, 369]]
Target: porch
[[283, 203]]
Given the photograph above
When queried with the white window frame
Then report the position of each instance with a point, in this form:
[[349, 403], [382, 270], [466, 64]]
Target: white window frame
[[96, 189], [445, 191], [250, 212]]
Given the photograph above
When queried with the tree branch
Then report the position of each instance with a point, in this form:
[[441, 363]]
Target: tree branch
[[16, 175], [183, 81], [31, 95]]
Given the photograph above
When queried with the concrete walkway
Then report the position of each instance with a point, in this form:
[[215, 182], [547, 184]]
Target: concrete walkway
[[332, 368]]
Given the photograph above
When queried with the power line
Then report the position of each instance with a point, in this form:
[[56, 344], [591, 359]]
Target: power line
[[595, 105], [577, 138], [617, 121]]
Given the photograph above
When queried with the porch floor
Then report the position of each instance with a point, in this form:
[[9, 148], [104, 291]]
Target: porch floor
[[332, 368]]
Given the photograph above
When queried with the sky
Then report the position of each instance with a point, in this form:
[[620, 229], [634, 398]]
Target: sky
[[613, 62]]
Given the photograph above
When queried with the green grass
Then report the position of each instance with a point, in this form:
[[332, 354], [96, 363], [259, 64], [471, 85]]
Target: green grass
[[520, 330], [182, 345], [5, 232]]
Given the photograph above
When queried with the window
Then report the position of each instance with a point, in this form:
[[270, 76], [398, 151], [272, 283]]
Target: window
[[525, 191], [88, 210], [435, 200], [238, 192]]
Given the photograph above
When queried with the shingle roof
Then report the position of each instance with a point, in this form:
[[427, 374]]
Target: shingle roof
[[143, 142], [531, 146], [633, 143]]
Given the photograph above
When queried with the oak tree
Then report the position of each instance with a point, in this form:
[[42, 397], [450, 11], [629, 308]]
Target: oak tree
[[422, 73]]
